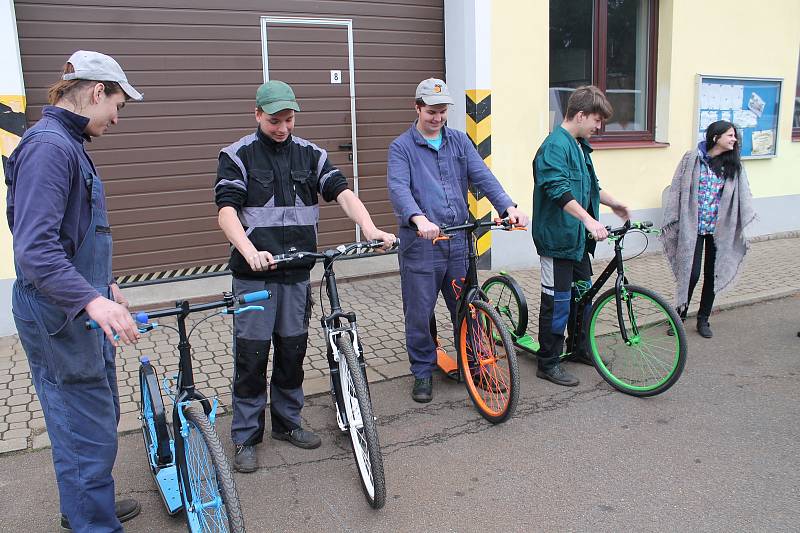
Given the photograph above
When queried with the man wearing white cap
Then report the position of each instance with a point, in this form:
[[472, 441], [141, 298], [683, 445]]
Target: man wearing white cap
[[430, 169], [62, 256]]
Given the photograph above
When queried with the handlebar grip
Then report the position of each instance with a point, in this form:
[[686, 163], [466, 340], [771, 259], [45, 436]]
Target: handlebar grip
[[376, 243], [140, 317], [254, 297]]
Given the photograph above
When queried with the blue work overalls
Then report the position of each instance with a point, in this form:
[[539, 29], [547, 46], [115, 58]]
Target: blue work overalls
[[74, 374], [426, 269]]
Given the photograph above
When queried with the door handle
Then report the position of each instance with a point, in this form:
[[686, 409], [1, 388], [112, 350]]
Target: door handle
[[346, 146]]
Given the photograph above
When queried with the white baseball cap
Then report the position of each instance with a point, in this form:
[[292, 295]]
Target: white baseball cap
[[433, 91], [95, 66]]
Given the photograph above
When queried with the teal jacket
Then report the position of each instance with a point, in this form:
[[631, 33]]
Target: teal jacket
[[563, 171]]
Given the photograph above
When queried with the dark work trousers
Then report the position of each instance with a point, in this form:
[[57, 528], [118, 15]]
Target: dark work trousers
[[426, 269], [707, 295], [558, 307], [74, 374], [284, 324]]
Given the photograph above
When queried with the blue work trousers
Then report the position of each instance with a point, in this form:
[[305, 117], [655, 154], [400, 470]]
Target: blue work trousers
[[426, 269]]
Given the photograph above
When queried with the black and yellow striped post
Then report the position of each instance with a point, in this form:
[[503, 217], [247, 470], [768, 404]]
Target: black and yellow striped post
[[479, 130]]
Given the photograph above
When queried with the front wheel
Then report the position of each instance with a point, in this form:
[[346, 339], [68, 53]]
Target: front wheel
[[361, 423], [488, 362], [653, 357], [207, 487], [507, 297]]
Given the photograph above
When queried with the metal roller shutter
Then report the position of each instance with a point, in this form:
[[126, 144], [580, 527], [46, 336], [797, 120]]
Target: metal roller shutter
[[199, 64]]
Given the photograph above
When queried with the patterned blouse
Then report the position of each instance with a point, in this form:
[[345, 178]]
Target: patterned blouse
[[709, 193]]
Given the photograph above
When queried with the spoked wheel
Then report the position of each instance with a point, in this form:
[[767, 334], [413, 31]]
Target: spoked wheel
[[507, 298], [361, 422], [207, 487], [489, 366], [154, 420], [651, 360]]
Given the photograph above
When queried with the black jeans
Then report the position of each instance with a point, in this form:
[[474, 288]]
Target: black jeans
[[707, 296]]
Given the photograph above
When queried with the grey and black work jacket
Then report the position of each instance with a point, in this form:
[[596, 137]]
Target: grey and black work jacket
[[275, 188]]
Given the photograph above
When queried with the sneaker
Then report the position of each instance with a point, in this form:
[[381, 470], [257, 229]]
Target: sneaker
[[124, 509], [423, 390], [302, 438], [703, 328], [558, 375], [246, 460]]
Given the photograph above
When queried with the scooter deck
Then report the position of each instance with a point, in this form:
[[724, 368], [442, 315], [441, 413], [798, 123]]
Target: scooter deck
[[167, 481], [446, 363], [527, 343]]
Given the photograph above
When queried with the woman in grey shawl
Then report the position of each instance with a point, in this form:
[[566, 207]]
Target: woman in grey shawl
[[708, 205]]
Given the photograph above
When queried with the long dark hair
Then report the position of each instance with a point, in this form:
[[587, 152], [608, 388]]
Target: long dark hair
[[728, 163]]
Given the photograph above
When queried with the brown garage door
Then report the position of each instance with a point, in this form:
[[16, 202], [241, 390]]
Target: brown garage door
[[199, 64]]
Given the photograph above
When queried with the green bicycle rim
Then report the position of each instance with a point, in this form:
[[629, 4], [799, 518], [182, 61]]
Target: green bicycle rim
[[601, 365]]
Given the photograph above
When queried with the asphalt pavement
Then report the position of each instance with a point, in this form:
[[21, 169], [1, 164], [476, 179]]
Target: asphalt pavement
[[717, 452]]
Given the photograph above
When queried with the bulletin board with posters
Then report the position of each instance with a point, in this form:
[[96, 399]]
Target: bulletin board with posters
[[752, 104]]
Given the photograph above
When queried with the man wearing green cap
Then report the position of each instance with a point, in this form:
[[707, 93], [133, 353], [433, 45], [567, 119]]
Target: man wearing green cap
[[267, 191]]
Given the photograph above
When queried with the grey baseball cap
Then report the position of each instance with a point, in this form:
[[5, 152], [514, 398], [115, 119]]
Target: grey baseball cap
[[95, 66], [433, 91]]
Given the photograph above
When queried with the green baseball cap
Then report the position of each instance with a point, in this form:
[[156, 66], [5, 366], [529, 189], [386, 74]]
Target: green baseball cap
[[275, 96]]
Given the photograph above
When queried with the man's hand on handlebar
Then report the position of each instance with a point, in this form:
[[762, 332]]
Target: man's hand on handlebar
[[425, 228], [596, 229], [114, 320], [260, 261], [378, 235], [517, 217]]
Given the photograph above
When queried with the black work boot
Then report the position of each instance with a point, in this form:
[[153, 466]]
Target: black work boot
[[246, 460], [423, 390], [703, 328], [302, 438], [558, 375], [124, 509]]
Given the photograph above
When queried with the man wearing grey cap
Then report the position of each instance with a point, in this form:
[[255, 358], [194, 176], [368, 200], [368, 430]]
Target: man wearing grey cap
[[267, 191], [62, 255], [430, 169]]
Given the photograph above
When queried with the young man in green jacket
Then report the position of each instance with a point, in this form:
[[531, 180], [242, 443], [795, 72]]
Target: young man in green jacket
[[566, 201]]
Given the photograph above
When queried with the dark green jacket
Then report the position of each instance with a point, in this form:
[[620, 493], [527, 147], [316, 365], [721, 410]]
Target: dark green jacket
[[563, 171]]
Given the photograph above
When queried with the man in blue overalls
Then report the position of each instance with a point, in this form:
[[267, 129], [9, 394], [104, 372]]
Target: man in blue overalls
[[62, 254], [430, 168]]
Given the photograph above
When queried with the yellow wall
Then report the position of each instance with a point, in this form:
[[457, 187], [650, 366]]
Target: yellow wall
[[520, 75], [709, 37], [8, 141]]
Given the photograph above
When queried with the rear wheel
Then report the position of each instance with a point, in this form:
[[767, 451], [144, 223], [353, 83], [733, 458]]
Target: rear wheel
[[507, 298], [207, 487], [361, 423], [653, 357], [488, 362]]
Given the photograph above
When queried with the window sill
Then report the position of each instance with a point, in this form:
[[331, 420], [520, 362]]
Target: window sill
[[615, 145]]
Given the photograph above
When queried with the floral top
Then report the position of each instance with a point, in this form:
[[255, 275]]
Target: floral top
[[709, 193]]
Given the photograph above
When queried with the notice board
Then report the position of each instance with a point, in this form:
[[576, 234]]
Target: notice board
[[752, 104]]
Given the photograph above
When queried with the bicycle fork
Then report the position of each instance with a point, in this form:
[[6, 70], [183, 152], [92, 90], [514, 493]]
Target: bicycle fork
[[622, 295], [343, 419]]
